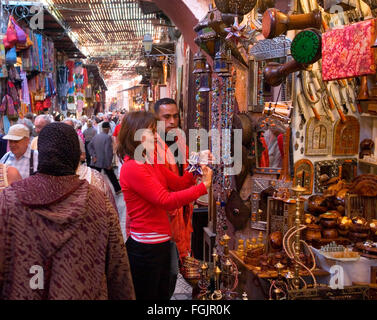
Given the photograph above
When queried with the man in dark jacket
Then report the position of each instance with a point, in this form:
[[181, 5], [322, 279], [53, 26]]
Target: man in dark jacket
[[101, 151]]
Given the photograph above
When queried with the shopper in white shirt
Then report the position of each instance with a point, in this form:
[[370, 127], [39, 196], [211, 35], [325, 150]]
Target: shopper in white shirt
[[20, 155]]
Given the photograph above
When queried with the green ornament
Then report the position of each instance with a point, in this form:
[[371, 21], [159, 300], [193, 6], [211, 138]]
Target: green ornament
[[307, 46]]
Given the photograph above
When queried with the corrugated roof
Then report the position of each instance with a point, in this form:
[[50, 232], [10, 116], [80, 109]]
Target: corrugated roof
[[112, 32]]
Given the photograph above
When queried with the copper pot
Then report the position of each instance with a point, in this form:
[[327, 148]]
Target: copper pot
[[316, 204], [276, 240], [313, 232], [343, 230], [359, 228], [328, 223], [358, 237], [330, 233]]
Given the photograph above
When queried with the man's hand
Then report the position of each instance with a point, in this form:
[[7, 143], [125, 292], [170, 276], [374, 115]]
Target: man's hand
[[206, 157], [94, 159]]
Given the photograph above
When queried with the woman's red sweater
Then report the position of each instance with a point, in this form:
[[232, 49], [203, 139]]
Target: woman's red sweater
[[151, 190]]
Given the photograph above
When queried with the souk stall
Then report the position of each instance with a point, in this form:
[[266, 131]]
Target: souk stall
[[304, 197]]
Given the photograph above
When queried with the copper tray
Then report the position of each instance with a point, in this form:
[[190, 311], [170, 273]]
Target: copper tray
[[366, 251]]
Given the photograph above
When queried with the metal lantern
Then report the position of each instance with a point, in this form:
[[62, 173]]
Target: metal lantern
[[240, 7], [221, 63], [199, 62], [148, 43], [205, 80]]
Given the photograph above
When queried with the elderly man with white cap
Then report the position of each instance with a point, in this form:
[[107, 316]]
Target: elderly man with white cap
[[20, 155]]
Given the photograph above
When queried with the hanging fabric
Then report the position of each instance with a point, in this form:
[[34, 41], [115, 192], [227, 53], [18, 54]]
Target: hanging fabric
[[11, 56], [25, 90], [6, 123], [3, 66]]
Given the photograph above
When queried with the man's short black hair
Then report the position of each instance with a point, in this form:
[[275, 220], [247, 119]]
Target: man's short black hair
[[105, 125], [161, 102]]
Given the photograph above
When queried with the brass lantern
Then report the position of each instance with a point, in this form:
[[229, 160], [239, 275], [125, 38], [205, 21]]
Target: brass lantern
[[199, 62], [205, 80]]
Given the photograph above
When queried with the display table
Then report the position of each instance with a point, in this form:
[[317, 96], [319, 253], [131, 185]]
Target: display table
[[354, 271], [255, 282]]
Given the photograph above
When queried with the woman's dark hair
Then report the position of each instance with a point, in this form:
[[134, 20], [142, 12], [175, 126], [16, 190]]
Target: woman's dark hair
[[131, 123]]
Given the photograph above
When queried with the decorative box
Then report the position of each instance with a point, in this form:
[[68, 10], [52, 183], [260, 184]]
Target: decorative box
[[347, 52]]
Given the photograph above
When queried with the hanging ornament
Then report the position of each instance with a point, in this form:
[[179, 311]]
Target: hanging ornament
[[194, 164], [235, 32]]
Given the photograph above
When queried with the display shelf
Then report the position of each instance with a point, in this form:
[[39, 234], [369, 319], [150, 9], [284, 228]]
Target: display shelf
[[367, 115], [272, 274], [368, 163]]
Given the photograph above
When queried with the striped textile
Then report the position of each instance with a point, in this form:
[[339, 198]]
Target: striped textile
[[150, 238]]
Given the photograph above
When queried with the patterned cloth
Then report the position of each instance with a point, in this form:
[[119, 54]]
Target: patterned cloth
[[3, 177], [71, 230], [23, 164], [347, 52]]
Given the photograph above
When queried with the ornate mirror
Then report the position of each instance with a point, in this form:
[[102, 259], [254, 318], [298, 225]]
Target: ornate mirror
[[318, 137], [327, 168], [347, 169], [272, 139], [304, 175], [346, 137]]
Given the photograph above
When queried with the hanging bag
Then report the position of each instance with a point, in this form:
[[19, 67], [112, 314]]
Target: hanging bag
[[11, 56], [11, 35], [21, 34], [7, 44]]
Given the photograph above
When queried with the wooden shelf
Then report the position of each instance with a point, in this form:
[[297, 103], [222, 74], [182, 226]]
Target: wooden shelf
[[368, 163], [367, 115]]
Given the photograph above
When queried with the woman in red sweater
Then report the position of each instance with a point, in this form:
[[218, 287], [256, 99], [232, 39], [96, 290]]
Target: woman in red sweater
[[150, 190]]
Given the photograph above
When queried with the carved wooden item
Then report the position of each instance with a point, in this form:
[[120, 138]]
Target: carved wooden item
[[275, 22], [275, 73], [304, 175], [346, 137]]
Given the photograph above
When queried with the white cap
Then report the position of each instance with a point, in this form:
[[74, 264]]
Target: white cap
[[17, 133]]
